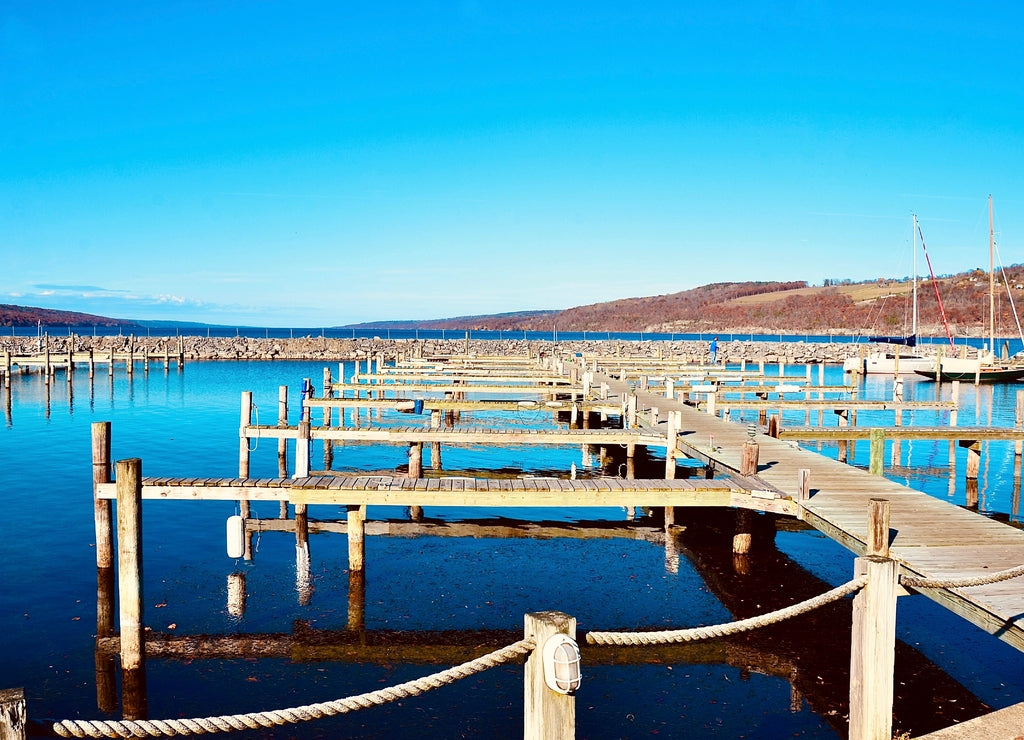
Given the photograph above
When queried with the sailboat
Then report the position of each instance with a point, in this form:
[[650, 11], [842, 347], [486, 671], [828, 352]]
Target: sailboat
[[885, 362], [984, 368]]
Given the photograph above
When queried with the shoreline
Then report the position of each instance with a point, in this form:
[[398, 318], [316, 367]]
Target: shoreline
[[195, 348]]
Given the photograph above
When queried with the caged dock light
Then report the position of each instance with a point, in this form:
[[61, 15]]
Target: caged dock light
[[561, 657]]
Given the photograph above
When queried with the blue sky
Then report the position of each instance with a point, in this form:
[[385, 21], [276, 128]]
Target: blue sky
[[317, 164]]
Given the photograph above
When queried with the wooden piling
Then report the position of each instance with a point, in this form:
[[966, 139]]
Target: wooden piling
[[671, 444], [748, 460], [129, 563], [416, 460], [328, 419], [101, 507], [842, 420], [803, 484], [13, 714], [876, 464], [547, 714], [244, 455], [744, 535], [1018, 422], [973, 457], [878, 528], [873, 650], [356, 535], [302, 444], [435, 447]]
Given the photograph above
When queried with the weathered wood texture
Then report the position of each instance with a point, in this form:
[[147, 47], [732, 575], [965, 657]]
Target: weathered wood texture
[[928, 537]]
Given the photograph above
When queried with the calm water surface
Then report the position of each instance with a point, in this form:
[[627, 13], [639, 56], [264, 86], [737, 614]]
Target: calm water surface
[[186, 423]]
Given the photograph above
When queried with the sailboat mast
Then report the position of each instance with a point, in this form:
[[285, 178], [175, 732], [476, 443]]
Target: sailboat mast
[[991, 282], [914, 315]]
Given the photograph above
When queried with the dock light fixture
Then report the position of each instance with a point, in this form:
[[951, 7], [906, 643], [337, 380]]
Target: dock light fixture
[[751, 430], [561, 657]]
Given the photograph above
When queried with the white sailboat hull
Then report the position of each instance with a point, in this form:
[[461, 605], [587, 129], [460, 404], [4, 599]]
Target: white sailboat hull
[[884, 363]]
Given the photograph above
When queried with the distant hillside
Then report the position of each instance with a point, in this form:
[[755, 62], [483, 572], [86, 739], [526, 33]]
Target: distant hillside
[[876, 307], [11, 315], [515, 319]]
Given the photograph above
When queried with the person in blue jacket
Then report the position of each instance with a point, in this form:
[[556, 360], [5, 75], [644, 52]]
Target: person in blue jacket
[[714, 351]]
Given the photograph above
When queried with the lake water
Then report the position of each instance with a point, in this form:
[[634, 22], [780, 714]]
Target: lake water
[[186, 424]]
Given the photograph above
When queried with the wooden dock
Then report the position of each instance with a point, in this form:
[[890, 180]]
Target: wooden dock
[[744, 469], [928, 537]]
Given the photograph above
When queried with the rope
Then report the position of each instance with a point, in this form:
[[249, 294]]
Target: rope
[[256, 447], [1003, 575], [694, 634], [256, 720]]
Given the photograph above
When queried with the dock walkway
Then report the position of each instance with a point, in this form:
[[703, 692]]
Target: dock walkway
[[928, 537]]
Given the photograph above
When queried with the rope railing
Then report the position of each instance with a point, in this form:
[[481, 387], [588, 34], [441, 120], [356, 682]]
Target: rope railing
[[1002, 575], [294, 715], [694, 634]]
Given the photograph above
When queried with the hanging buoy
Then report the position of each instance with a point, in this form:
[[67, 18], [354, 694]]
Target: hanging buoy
[[236, 536]]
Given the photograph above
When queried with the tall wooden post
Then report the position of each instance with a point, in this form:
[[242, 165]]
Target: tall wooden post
[[129, 563], [302, 450], [243, 434], [328, 419], [973, 457], [749, 457], [435, 447], [356, 528], [1018, 423], [244, 508], [842, 420], [282, 443], [101, 507], [671, 443], [873, 642], [416, 460], [803, 484], [877, 542], [547, 715], [106, 684]]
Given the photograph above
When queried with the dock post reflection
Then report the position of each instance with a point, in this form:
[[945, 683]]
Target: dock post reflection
[[236, 594], [356, 600], [303, 576]]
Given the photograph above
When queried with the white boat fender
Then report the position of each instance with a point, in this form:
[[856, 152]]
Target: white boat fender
[[236, 536]]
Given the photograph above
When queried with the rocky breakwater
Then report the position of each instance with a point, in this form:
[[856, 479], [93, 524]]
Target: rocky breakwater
[[197, 348]]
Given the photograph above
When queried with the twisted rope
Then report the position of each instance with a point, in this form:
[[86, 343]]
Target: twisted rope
[[1003, 575], [256, 720], [694, 634]]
